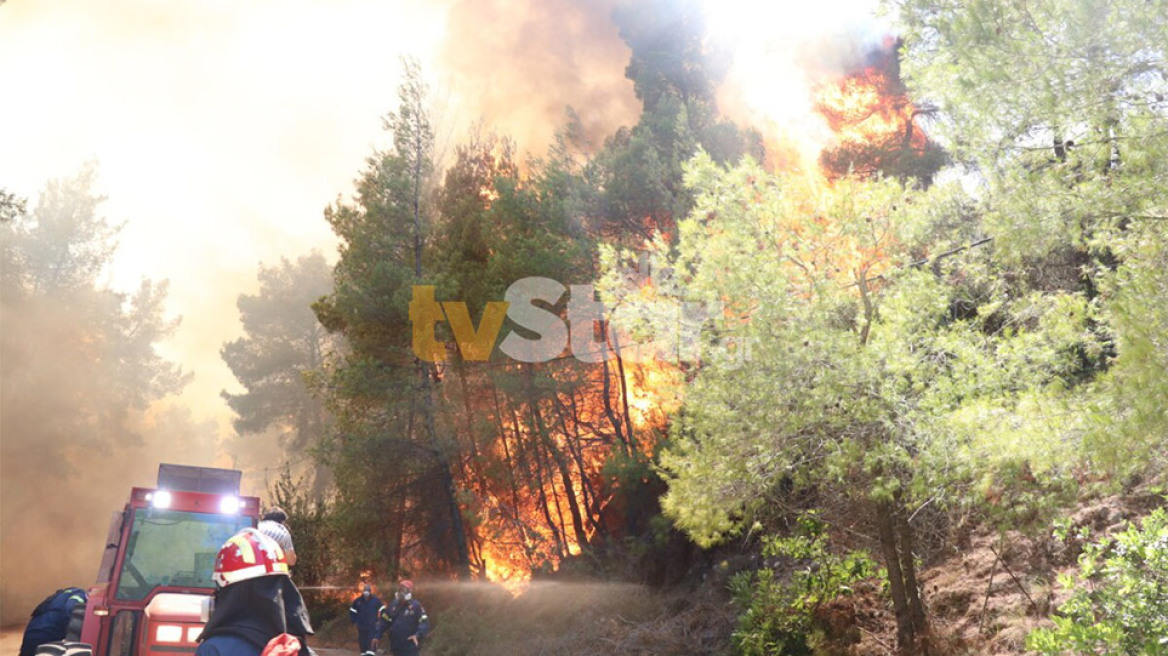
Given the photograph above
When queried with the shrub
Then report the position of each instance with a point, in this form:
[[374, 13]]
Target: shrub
[[779, 611], [1120, 600]]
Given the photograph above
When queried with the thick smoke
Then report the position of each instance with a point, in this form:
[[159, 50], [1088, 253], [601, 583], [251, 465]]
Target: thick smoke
[[519, 64], [79, 425], [63, 474]]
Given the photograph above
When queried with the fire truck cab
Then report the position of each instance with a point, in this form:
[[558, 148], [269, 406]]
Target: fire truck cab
[[155, 573]]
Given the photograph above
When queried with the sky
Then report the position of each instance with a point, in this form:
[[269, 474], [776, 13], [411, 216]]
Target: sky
[[222, 128]]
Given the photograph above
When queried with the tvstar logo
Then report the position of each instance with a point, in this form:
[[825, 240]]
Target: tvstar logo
[[675, 327]]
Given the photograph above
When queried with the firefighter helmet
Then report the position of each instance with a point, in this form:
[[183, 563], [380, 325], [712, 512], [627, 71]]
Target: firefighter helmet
[[247, 555], [407, 584]]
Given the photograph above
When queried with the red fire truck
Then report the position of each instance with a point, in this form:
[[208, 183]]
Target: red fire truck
[[154, 581]]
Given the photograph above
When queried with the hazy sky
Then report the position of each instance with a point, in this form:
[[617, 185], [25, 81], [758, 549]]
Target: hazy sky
[[222, 128]]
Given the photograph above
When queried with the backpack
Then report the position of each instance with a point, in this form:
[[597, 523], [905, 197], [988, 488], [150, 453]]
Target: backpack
[[52, 620], [59, 601]]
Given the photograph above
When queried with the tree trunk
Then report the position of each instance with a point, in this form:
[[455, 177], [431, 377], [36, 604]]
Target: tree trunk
[[617, 426], [512, 472], [587, 490], [544, 505], [457, 529], [564, 471], [909, 568], [911, 628], [620, 367]]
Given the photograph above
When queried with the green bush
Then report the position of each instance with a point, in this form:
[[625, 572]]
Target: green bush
[[1120, 601], [779, 615]]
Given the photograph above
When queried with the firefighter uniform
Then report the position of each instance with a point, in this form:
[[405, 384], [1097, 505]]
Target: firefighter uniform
[[407, 624], [257, 606], [50, 619], [364, 612]]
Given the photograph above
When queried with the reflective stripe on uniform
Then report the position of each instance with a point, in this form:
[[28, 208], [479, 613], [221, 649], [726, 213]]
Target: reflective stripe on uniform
[[245, 551], [245, 573]]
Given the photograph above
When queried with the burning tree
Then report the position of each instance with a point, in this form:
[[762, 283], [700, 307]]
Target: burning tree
[[877, 128], [520, 447]]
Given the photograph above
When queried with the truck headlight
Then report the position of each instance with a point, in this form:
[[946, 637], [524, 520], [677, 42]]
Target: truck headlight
[[168, 633], [161, 499], [229, 505]]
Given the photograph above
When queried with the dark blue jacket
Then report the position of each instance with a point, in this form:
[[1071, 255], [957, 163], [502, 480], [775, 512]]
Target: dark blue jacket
[[227, 645], [365, 611], [50, 619], [404, 619], [248, 614]]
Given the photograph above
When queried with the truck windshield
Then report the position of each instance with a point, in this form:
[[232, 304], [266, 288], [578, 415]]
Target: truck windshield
[[172, 547]]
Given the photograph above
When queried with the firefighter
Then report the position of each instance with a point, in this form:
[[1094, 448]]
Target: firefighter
[[50, 619], [257, 608], [365, 613], [406, 621]]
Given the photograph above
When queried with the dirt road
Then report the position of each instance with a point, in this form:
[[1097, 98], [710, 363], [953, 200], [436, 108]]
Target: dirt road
[[10, 637]]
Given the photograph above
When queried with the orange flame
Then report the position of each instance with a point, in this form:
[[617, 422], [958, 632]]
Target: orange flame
[[516, 534], [871, 119]]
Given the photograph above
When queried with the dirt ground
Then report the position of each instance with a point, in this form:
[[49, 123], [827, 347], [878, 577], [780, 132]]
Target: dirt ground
[[10, 637], [983, 601], [987, 598], [561, 619]]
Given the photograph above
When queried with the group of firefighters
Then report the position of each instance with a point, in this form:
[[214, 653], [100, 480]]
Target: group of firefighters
[[257, 609], [249, 597], [404, 618]]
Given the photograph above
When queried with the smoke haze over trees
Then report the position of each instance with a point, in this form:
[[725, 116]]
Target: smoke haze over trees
[[948, 318], [278, 418], [80, 375]]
